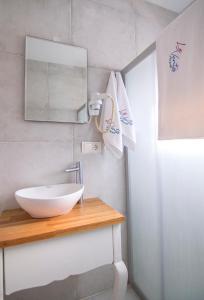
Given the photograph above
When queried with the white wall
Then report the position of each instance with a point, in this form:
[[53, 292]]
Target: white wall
[[32, 153]]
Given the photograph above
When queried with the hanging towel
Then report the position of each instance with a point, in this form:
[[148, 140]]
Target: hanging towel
[[112, 138], [180, 62], [126, 118]]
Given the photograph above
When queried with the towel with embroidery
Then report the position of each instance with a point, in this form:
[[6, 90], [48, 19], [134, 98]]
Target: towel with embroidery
[[113, 137], [125, 113]]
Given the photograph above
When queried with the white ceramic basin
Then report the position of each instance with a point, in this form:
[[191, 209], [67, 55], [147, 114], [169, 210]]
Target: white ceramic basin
[[49, 201]]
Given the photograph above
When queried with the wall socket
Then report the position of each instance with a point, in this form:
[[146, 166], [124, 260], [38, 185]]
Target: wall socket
[[91, 147]]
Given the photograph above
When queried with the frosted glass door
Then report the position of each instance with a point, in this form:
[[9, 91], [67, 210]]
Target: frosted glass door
[[143, 204], [166, 201], [182, 173]]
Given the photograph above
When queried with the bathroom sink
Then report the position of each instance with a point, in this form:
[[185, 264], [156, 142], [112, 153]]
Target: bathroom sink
[[49, 201]]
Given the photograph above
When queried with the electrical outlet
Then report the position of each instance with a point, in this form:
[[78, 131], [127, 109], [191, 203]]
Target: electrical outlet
[[91, 147]]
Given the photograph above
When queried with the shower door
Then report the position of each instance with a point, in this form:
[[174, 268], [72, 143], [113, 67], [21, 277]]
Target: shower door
[[143, 203], [165, 201]]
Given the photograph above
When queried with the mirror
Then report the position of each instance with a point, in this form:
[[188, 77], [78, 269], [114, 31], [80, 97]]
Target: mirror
[[55, 82]]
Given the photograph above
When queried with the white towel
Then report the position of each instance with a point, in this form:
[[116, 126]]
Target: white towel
[[112, 138], [126, 118]]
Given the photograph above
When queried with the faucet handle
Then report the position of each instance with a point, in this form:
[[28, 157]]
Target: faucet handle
[[80, 167], [80, 176], [74, 168]]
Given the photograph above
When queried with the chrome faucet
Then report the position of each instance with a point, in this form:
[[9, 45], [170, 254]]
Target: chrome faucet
[[79, 174]]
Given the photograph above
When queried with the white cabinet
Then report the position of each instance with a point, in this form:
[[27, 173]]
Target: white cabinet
[[42, 262], [1, 276]]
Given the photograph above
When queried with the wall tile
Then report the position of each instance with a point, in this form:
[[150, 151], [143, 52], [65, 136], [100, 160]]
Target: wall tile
[[152, 12], [32, 164], [97, 82], [12, 124], [11, 83], [87, 132], [12, 25], [116, 4], [103, 176], [107, 33], [146, 32], [150, 21], [49, 19]]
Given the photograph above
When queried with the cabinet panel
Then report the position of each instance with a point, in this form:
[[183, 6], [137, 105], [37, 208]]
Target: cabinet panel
[[39, 263], [1, 275]]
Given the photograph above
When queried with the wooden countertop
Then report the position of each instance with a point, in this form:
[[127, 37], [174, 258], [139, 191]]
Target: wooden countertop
[[17, 227]]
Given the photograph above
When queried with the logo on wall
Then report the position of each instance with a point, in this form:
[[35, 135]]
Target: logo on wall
[[175, 56]]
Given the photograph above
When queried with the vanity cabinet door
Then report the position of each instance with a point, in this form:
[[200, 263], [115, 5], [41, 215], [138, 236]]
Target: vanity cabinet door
[[1, 275], [39, 263]]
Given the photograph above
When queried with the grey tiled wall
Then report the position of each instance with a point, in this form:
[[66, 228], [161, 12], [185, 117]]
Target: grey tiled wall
[[34, 153]]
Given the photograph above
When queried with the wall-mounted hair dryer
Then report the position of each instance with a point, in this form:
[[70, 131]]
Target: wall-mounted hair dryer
[[95, 105]]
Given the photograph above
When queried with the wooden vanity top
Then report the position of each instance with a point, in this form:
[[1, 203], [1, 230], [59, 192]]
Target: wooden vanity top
[[17, 227]]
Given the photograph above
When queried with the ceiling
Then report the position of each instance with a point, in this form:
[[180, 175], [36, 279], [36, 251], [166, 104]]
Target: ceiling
[[175, 5]]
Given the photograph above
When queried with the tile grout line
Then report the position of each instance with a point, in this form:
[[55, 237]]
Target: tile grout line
[[108, 6], [102, 68], [70, 20], [73, 143], [38, 141], [11, 53]]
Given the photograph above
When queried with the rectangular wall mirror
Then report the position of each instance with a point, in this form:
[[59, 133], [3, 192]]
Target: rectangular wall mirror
[[55, 82]]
